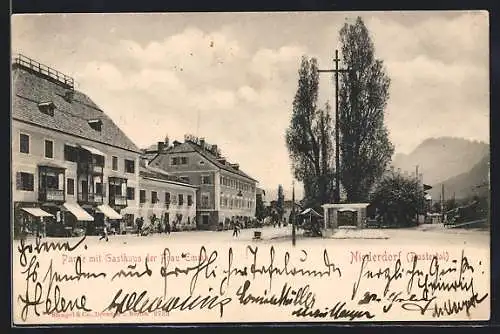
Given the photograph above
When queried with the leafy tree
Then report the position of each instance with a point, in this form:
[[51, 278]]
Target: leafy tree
[[280, 203], [309, 137], [398, 199], [363, 93], [436, 207], [450, 204]]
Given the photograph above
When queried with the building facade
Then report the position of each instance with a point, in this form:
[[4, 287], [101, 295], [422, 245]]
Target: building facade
[[166, 198], [287, 209], [225, 192], [71, 163]]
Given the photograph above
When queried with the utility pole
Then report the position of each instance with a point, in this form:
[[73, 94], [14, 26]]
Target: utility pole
[[337, 118], [418, 185], [442, 202], [293, 213]]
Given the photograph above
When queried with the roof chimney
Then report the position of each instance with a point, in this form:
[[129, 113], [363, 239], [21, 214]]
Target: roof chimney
[[202, 142], [161, 146], [69, 94], [214, 150]]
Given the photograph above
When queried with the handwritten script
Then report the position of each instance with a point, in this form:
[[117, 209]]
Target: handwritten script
[[68, 281]]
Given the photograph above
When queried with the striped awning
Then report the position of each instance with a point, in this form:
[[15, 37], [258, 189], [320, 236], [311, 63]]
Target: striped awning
[[78, 212], [109, 212], [37, 212]]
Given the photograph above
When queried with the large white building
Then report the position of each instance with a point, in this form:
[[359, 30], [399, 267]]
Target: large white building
[[225, 192], [71, 164]]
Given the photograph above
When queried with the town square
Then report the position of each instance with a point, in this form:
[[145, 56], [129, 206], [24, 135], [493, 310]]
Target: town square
[[76, 172], [179, 144]]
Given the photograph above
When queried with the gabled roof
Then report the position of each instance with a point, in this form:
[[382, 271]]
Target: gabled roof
[[31, 88], [310, 211], [188, 147]]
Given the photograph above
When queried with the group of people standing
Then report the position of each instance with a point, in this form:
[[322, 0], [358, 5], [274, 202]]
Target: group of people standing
[[155, 225]]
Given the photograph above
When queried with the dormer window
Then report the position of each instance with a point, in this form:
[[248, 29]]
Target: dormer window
[[96, 124], [47, 107]]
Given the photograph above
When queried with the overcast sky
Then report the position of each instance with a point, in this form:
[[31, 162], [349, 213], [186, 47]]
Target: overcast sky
[[231, 78]]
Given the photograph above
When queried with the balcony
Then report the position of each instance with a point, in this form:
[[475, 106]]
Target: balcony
[[51, 195], [118, 200], [91, 198]]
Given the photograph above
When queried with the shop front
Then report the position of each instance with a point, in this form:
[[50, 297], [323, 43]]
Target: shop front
[[75, 219], [34, 221], [106, 213]]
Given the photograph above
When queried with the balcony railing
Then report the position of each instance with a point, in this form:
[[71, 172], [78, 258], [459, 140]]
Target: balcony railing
[[24, 61], [120, 200], [91, 198], [51, 195]]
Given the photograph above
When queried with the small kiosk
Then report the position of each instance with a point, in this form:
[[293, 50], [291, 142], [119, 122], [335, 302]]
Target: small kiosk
[[352, 215]]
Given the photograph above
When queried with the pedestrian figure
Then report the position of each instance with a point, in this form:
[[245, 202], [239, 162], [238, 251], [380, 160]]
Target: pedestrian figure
[[105, 232], [138, 222], [236, 230], [38, 231], [167, 228]]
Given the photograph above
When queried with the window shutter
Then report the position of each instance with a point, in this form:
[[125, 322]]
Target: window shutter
[[19, 181], [31, 182]]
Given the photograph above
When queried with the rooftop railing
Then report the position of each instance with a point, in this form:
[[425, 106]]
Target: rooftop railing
[[29, 63]]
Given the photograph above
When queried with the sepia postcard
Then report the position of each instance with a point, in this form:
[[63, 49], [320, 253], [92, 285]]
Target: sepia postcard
[[271, 167]]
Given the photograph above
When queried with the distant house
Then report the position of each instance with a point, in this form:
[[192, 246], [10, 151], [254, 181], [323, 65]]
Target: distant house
[[287, 208], [168, 198], [225, 191]]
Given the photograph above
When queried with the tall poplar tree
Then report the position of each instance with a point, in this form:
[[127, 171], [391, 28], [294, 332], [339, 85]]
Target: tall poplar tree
[[309, 138], [363, 94]]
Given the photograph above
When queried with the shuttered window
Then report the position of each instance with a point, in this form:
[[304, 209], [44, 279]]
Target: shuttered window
[[129, 166], [70, 186], [130, 193], [154, 197], [25, 181], [70, 153], [24, 143], [49, 149]]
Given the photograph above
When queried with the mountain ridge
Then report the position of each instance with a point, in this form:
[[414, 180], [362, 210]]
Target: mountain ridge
[[442, 158], [475, 182]]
